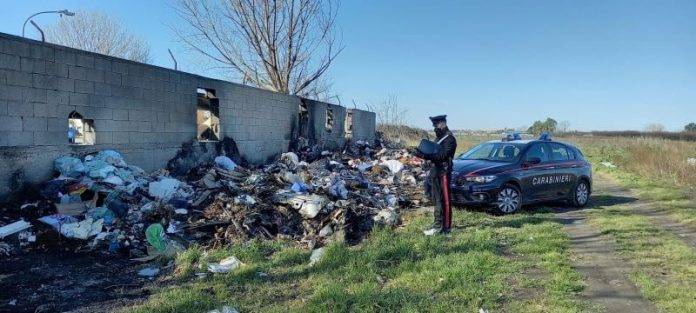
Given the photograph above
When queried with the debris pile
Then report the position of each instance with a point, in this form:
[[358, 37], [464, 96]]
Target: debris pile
[[312, 197]]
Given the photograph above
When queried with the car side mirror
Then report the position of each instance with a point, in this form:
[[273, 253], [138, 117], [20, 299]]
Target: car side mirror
[[532, 161]]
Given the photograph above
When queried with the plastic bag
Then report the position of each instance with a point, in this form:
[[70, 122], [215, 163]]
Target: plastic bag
[[69, 166]]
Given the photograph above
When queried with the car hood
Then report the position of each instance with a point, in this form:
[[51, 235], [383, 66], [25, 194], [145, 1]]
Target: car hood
[[463, 167]]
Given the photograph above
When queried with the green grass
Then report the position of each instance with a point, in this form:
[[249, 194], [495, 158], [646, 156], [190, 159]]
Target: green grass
[[662, 265], [485, 264]]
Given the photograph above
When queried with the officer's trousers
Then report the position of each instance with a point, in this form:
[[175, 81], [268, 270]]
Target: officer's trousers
[[441, 199]]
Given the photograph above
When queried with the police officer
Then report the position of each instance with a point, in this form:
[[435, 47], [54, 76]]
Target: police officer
[[440, 175]]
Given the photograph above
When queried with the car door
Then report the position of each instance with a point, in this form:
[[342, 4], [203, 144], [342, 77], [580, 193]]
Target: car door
[[534, 181], [562, 171]]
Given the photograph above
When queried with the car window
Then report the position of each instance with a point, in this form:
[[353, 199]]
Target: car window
[[538, 151], [559, 152], [507, 152], [494, 151], [571, 154]]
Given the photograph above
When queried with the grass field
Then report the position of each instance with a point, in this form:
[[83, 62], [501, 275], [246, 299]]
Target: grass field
[[518, 263]]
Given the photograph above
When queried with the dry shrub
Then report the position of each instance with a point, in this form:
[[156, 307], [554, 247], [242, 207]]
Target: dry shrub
[[653, 158]]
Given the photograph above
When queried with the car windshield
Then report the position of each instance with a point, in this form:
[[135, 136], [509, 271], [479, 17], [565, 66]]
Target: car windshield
[[494, 151]]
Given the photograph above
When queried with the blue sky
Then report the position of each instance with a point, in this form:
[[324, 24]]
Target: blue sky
[[601, 65]]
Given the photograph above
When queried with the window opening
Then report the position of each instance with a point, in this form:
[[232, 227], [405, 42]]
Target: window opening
[[304, 120], [207, 115], [81, 131], [329, 119], [349, 124]]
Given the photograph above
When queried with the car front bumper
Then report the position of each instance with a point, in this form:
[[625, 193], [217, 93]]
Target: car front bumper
[[474, 194]]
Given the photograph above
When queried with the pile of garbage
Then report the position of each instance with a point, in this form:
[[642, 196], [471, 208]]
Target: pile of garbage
[[312, 197]]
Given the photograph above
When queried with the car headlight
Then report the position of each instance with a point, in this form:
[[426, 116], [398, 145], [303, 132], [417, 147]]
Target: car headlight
[[481, 179]]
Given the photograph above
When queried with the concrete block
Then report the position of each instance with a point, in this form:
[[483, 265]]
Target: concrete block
[[44, 81], [135, 137], [83, 86], [126, 92], [159, 127], [34, 95], [97, 113], [15, 78], [102, 64], [104, 137], [120, 137], [96, 75], [66, 84], [76, 72], [45, 109], [10, 123], [102, 89], [57, 69], [65, 57], [20, 108], [96, 100], [120, 115], [141, 115], [57, 124], [41, 52], [119, 67], [79, 99], [10, 62], [16, 47], [33, 66], [63, 111], [163, 116], [34, 124], [112, 78], [52, 138], [57, 97], [85, 60], [16, 138], [3, 107], [144, 127]]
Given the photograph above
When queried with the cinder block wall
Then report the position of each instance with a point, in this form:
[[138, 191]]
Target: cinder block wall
[[364, 124], [147, 113], [318, 133]]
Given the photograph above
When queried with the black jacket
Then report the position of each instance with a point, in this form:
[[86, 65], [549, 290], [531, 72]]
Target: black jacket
[[443, 159]]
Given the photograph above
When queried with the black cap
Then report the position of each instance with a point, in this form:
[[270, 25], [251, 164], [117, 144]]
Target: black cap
[[437, 119]]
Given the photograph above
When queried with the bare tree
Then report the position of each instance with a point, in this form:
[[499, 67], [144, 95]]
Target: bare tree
[[654, 128], [98, 32], [563, 127], [280, 45]]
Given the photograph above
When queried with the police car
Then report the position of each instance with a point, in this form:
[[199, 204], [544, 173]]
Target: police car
[[508, 173]]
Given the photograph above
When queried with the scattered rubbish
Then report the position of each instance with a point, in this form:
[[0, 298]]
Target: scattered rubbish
[[691, 161], [69, 166], [225, 266], [13, 302], [156, 236], [163, 189], [13, 228], [5, 249], [149, 272], [225, 309], [225, 163], [316, 255], [310, 196], [482, 310], [608, 164]]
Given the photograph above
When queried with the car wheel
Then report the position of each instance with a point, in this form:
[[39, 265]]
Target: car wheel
[[509, 200], [581, 194]]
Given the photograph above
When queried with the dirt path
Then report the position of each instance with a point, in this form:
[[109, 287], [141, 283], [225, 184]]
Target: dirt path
[[606, 186], [595, 256]]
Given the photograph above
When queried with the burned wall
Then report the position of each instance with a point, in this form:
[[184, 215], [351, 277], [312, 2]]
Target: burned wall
[[364, 124], [326, 124], [147, 113]]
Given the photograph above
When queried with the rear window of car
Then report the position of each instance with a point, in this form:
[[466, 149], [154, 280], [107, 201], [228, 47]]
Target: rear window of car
[[559, 152]]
